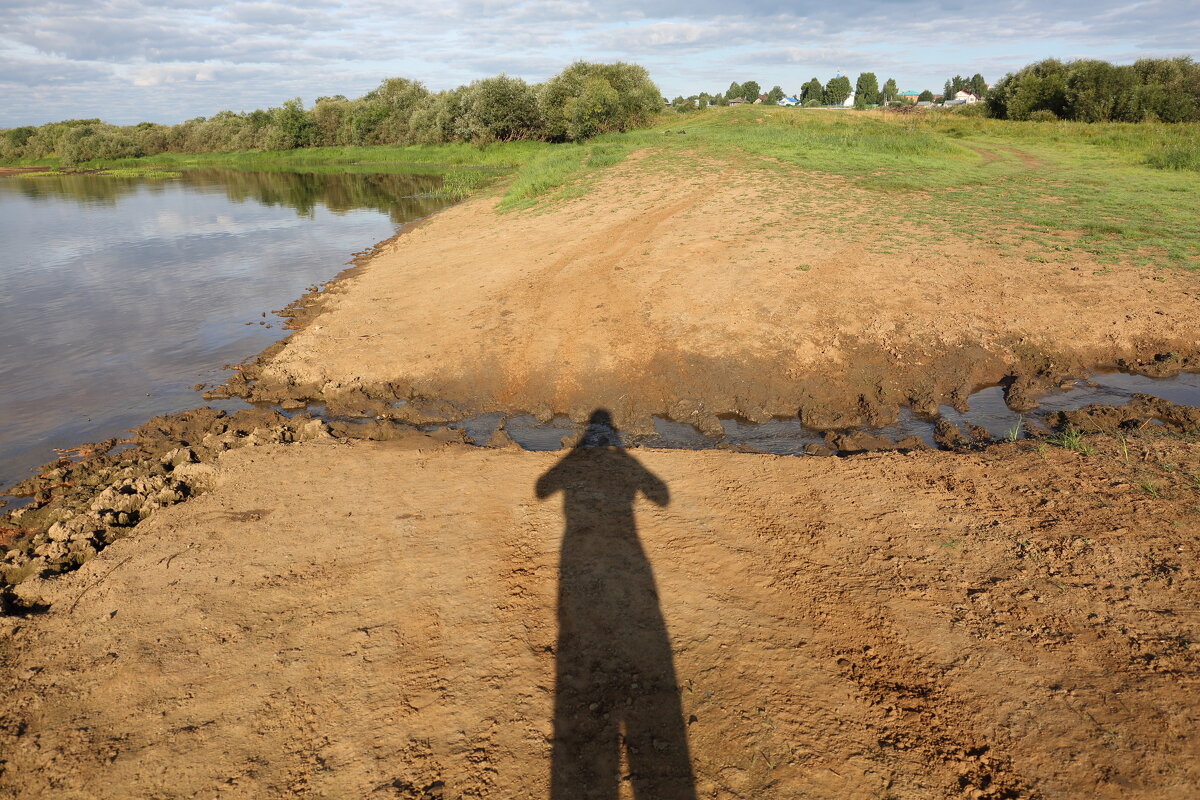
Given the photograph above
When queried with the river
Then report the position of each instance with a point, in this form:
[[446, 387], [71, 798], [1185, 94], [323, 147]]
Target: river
[[118, 295]]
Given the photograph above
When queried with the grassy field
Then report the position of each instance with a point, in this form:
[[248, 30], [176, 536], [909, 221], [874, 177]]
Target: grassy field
[[1042, 189], [1123, 193]]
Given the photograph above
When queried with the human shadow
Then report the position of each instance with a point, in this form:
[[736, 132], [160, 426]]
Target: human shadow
[[615, 681]]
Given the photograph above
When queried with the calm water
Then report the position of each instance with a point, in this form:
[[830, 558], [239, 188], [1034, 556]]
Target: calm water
[[118, 295]]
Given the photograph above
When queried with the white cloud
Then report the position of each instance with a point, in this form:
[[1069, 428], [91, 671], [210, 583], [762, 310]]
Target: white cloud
[[112, 58]]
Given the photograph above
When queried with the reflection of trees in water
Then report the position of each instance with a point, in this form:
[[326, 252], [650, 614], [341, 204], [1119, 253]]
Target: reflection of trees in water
[[401, 196]]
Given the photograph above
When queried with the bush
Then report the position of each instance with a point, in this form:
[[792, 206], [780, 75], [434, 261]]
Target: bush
[[500, 109], [971, 110], [1096, 91], [1043, 115], [588, 99]]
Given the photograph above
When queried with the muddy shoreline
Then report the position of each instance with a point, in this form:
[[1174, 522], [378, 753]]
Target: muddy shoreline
[[840, 405], [100, 492], [618, 300]]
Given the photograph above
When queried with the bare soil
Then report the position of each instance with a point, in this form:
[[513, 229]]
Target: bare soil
[[381, 619], [252, 606], [689, 297]]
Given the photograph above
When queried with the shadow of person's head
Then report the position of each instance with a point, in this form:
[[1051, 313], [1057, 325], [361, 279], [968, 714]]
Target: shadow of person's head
[[600, 431]]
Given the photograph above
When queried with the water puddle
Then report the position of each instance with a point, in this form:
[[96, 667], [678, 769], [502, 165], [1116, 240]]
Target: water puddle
[[987, 410]]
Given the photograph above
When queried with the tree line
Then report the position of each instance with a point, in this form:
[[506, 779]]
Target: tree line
[[583, 100], [1087, 90], [866, 91]]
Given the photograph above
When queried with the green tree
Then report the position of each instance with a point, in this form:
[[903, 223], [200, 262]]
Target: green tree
[[978, 86], [889, 92], [925, 97], [1041, 86], [813, 90], [295, 127], [750, 91], [734, 90], [586, 99], [837, 90], [500, 109], [866, 90], [775, 95]]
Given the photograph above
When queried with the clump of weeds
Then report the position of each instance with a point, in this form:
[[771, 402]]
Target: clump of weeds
[[1072, 439]]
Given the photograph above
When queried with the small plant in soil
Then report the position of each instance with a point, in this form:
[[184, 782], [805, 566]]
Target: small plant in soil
[[1014, 432], [1148, 487], [1123, 444], [1072, 439]]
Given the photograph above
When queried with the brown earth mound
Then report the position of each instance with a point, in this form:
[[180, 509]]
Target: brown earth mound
[[393, 619], [689, 297]]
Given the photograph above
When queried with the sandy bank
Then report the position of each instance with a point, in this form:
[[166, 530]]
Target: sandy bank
[[696, 295], [378, 619]]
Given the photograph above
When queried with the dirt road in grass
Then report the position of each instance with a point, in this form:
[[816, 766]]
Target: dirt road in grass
[[392, 620], [711, 292]]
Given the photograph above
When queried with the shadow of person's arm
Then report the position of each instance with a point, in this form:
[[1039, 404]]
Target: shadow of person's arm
[[550, 481], [654, 489]]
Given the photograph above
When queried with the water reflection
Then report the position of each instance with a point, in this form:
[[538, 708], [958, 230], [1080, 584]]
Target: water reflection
[[118, 295], [401, 196]]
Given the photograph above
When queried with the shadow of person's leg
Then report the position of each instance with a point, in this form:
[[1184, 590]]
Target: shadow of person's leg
[[656, 737], [585, 755]]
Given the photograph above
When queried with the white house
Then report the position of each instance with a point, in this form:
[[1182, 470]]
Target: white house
[[849, 101], [788, 101], [962, 98]]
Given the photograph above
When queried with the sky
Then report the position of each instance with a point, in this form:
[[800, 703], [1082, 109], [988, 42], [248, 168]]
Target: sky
[[126, 61]]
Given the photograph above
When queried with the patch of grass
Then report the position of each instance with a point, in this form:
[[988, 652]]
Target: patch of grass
[[1073, 439], [462, 183], [1176, 158], [1147, 486], [1014, 433], [124, 172]]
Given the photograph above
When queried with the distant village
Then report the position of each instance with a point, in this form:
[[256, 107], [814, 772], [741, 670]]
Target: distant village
[[839, 92]]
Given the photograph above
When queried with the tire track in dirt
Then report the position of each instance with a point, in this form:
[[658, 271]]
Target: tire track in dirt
[[593, 265], [870, 653]]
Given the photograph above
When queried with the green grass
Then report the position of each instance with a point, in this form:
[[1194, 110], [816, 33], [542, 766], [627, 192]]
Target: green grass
[[1176, 157], [1051, 193], [115, 172], [1047, 192], [1072, 439]]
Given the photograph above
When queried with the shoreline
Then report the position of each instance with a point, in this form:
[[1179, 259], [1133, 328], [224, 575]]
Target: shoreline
[[836, 378], [262, 604]]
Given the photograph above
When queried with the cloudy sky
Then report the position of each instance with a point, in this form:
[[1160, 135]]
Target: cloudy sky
[[132, 60]]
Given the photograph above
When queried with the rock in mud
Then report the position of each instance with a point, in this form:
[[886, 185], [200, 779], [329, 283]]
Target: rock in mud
[[1142, 411], [693, 412], [947, 435], [500, 437]]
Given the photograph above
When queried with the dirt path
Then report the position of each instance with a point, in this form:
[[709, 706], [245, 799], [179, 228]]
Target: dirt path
[[379, 620], [690, 296]]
